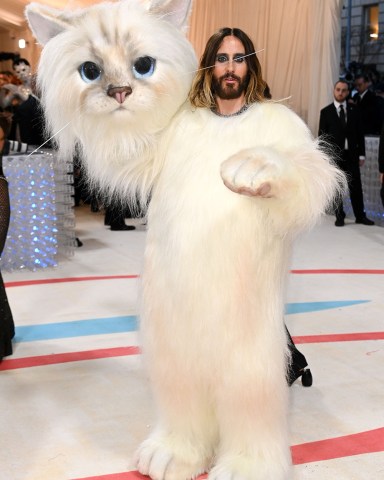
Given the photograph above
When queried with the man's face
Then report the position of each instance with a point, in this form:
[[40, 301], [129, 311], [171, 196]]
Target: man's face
[[340, 92], [361, 85], [22, 71], [230, 71]]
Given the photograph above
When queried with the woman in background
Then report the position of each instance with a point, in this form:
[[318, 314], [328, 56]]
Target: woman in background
[[7, 327]]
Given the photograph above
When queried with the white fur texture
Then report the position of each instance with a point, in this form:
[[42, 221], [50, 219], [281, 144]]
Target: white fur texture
[[229, 196], [116, 142], [214, 284]]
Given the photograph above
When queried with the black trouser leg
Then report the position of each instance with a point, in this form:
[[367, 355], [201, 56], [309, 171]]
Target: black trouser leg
[[298, 361]]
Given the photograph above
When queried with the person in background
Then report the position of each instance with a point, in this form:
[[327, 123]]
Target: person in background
[[6, 95], [7, 327], [381, 164], [369, 106], [341, 128], [28, 119]]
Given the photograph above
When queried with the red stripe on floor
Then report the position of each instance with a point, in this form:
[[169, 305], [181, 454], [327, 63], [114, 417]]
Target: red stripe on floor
[[346, 446], [331, 448], [339, 337], [117, 476], [26, 283], [125, 476], [339, 271], [42, 360]]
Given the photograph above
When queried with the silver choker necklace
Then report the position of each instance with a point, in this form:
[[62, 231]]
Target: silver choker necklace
[[243, 109]]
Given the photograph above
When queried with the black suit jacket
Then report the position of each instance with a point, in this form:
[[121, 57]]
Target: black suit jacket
[[331, 130], [369, 108], [381, 152]]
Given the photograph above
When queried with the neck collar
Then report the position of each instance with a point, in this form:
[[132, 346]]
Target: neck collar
[[243, 109]]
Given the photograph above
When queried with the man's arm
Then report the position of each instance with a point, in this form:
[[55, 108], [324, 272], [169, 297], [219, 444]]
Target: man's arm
[[381, 153], [323, 123]]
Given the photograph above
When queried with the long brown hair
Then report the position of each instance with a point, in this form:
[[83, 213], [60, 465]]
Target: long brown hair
[[201, 94]]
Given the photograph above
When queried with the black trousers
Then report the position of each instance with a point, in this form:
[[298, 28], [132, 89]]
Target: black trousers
[[298, 360], [349, 164], [7, 327]]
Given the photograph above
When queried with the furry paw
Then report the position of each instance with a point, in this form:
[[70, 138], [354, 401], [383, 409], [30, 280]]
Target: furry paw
[[242, 467], [254, 172], [163, 459]]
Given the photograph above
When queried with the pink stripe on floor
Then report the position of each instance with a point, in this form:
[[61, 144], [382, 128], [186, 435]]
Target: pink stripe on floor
[[339, 337], [357, 444], [346, 446], [43, 360], [26, 283], [339, 272]]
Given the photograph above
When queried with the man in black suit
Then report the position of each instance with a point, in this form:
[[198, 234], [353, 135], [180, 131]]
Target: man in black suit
[[341, 127], [381, 164], [369, 106]]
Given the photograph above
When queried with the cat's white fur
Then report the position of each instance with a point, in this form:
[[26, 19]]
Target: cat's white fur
[[229, 196], [113, 35]]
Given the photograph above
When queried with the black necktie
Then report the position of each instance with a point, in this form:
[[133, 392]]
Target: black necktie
[[342, 117]]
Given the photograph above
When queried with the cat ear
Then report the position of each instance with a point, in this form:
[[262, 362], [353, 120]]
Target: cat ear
[[176, 12], [45, 22]]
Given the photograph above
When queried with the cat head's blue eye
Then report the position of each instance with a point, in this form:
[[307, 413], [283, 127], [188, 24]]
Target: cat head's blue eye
[[89, 72], [144, 67]]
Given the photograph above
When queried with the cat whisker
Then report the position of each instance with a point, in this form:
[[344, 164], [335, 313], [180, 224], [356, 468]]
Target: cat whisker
[[212, 66], [50, 138]]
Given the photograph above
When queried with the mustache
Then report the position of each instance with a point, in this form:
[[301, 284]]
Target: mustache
[[231, 76]]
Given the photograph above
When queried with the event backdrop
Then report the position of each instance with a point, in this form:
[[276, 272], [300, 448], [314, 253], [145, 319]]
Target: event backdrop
[[299, 39]]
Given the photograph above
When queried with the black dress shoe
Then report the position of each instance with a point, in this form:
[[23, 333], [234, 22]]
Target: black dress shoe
[[365, 221], [120, 228], [339, 222], [304, 373]]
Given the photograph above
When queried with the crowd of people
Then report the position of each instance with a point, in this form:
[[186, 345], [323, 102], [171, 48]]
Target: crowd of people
[[356, 112], [20, 103]]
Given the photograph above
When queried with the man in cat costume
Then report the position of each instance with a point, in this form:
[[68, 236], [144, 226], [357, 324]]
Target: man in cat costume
[[232, 185]]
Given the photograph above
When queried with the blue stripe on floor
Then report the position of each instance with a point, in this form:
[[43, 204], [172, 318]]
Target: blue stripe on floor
[[102, 326], [317, 306], [78, 328]]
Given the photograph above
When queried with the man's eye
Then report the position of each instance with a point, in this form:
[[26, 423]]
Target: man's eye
[[222, 58], [239, 59]]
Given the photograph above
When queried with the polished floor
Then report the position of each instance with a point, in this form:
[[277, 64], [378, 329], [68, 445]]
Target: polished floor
[[74, 398]]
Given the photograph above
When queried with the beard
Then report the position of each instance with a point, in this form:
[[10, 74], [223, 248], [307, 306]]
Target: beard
[[229, 92]]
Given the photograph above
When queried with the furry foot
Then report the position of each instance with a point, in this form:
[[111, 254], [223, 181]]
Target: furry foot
[[167, 460], [254, 172], [242, 467]]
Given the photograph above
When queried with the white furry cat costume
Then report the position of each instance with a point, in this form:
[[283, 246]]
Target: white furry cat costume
[[216, 261]]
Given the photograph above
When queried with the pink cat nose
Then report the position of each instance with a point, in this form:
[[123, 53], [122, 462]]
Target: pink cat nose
[[119, 93]]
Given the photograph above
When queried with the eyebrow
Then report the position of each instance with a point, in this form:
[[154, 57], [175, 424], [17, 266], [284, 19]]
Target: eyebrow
[[235, 54]]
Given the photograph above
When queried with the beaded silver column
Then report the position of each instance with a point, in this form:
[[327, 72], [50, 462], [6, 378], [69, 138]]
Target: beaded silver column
[[41, 229]]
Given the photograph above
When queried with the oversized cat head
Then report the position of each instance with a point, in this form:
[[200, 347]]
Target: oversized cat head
[[111, 78]]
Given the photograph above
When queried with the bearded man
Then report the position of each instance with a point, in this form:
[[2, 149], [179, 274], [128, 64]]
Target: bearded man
[[225, 253], [228, 81]]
